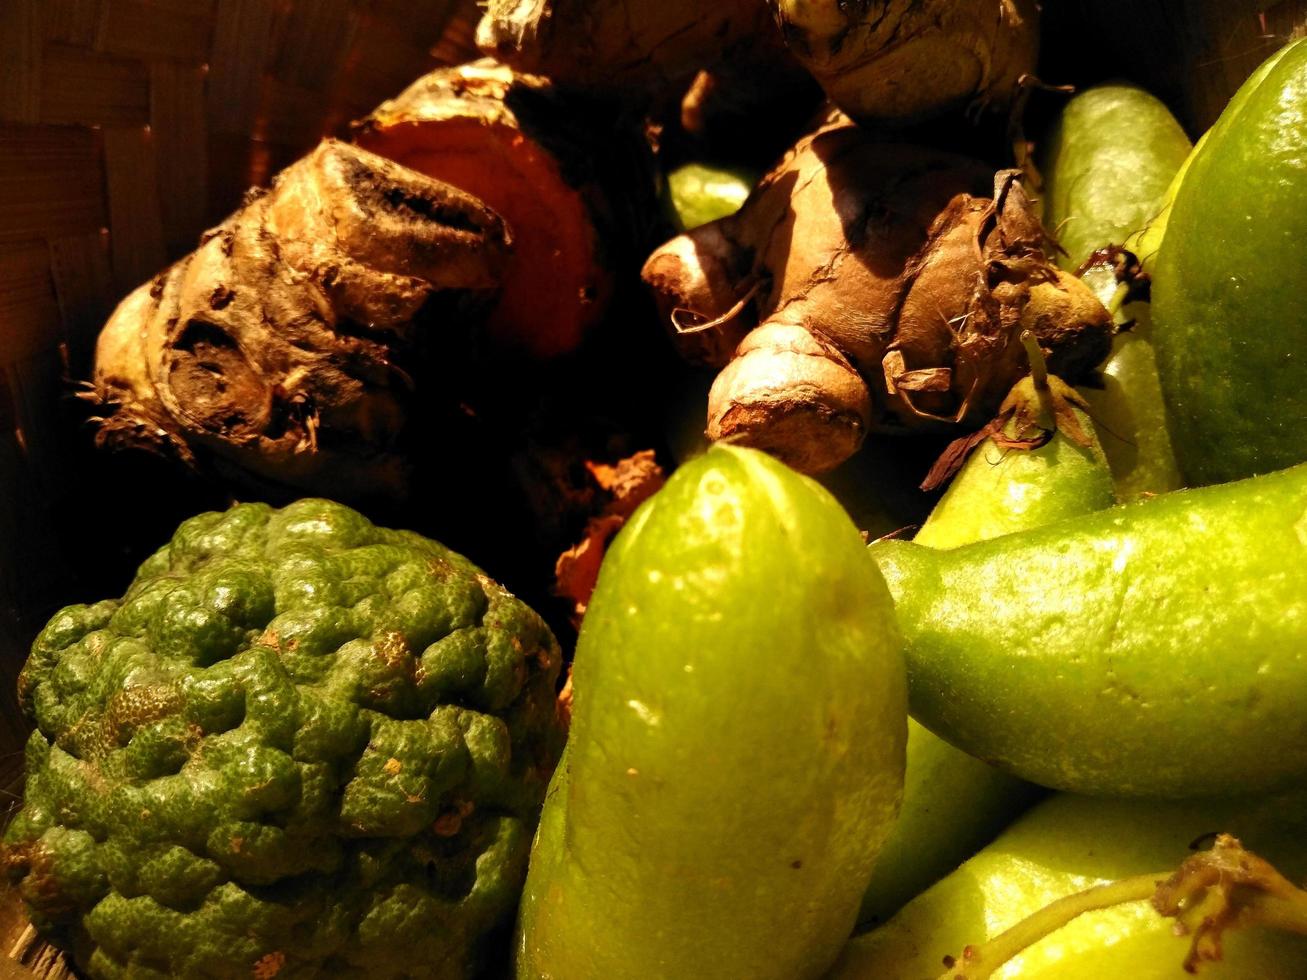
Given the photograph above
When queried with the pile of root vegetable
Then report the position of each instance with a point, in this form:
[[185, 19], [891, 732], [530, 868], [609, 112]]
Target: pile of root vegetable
[[896, 467]]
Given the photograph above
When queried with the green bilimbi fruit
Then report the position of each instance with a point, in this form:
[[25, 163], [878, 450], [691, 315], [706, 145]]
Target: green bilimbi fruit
[[1131, 415], [699, 193], [1153, 649], [1229, 295], [1004, 487], [736, 752], [1106, 166], [954, 803], [1110, 166], [1145, 243], [1070, 843]]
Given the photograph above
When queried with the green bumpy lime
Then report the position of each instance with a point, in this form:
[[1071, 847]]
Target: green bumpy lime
[[736, 752], [300, 745], [1229, 294]]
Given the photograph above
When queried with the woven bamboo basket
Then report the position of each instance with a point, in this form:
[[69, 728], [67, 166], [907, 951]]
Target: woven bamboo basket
[[129, 126]]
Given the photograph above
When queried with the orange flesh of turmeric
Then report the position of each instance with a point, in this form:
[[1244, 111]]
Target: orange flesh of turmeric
[[551, 294]]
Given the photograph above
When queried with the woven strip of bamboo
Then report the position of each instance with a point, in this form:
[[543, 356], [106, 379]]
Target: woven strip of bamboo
[[126, 128]]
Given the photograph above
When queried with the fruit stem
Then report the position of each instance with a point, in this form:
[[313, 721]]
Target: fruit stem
[[1221, 888], [1039, 377], [979, 962], [1228, 887]]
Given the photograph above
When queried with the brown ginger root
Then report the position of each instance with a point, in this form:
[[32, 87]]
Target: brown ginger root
[[919, 267], [632, 45], [272, 352], [516, 143], [793, 394], [1212, 892], [899, 61]]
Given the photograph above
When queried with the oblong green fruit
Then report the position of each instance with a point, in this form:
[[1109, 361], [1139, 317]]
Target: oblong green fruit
[[1106, 164], [1145, 242], [1229, 295], [736, 752], [699, 193], [1069, 843], [1000, 490], [1109, 167], [1131, 414], [1153, 649], [953, 803]]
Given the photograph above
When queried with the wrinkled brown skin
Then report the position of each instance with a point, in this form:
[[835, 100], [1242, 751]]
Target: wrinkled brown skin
[[572, 193], [920, 267], [900, 61], [270, 352], [633, 45]]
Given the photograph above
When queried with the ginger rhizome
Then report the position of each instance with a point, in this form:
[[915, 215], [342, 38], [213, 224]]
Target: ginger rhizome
[[889, 284], [574, 194], [275, 351], [634, 45], [902, 60]]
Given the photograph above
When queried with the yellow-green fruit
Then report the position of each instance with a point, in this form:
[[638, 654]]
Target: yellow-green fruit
[[953, 804], [1107, 164], [1069, 843], [1147, 241], [1112, 163], [1131, 415], [1000, 490], [700, 193], [1229, 294], [1153, 649], [736, 752]]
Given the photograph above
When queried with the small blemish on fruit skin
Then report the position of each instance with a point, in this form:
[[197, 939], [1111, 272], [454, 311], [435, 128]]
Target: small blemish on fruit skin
[[646, 714]]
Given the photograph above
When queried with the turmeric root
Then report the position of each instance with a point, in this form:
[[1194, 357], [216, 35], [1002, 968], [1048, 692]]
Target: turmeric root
[[901, 60], [273, 350], [919, 269], [522, 147]]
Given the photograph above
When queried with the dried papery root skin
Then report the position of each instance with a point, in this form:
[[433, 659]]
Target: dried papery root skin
[[573, 191], [632, 45], [899, 61], [271, 352], [622, 487], [922, 268]]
